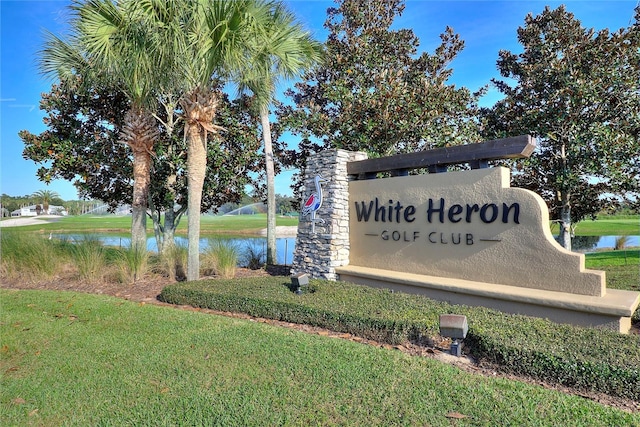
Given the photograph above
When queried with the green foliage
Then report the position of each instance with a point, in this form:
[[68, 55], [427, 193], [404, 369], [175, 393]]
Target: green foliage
[[585, 358], [81, 145], [577, 91], [374, 93]]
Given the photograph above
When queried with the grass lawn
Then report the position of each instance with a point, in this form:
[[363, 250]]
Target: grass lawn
[[80, 359], [210, 224], [622, 267], [607, 226]]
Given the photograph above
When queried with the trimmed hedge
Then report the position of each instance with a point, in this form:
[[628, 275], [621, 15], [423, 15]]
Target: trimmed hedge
[[585, 358]]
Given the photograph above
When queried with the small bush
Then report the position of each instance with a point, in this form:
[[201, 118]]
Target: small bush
[[220, 258], [253, 257]]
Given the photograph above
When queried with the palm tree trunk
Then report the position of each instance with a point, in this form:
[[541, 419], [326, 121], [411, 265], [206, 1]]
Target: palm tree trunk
[[141, 168], [196, 169], [199, 107], [272, 255], [140, 133]]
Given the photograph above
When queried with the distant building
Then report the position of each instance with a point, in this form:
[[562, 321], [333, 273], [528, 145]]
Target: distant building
[[33, 211]]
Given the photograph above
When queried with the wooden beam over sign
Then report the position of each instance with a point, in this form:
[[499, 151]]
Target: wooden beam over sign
[[438, 159]]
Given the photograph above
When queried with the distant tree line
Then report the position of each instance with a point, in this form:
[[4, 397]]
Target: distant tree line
[[72, 207]]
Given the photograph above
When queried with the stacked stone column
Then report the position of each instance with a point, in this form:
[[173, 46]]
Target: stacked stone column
[[318, 254]]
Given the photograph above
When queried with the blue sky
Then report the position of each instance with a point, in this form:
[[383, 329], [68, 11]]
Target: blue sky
[[485, 26]]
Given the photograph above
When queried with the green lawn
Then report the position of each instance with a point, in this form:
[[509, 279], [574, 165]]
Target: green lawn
[[622, 267], [209, 224], [607, 226], [79, 359]]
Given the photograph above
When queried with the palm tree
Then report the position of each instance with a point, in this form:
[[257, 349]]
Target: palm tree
[[213, 40], [114, 42], [45, 197], [287, 52]]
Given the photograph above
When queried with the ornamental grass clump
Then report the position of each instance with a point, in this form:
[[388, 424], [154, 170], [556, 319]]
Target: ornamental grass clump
[[253, 257], [220, 258], [90, 258], [621, 242], [172, 262], [29, 257], [132, 264]]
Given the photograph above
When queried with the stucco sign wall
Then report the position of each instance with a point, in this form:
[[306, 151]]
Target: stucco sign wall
[[464, 225]]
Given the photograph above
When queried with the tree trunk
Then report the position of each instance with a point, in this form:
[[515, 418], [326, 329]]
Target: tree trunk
[[565, 208], [196, 169], [156, 217], [565, 221], [199, 107], [169, 230], [141, 169], [140, 133], [272, 255]]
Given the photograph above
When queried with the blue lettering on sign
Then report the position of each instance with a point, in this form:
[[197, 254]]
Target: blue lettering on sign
[[437, 211]]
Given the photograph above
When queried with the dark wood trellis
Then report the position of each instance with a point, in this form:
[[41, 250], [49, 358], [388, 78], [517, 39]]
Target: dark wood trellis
[[437, 160]]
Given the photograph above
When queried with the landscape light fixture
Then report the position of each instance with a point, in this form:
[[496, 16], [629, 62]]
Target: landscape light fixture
[[454, 326], [299, 280]]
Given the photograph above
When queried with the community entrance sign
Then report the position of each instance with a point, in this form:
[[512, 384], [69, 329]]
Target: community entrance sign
[[465, 237], [463, 225]]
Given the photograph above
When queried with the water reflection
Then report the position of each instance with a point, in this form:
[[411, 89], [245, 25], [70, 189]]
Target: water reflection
[[591, 243], [258, 245]]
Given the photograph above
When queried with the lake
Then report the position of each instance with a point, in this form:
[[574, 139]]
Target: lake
[[591, 243], [286, 246]]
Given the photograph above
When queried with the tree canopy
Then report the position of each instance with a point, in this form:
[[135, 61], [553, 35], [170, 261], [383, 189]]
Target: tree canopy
[[81, 144], [375, 93], [578, 92]]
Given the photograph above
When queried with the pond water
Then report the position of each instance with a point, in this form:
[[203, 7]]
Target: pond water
[[591, 243], [286, 246], [258, 245]]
